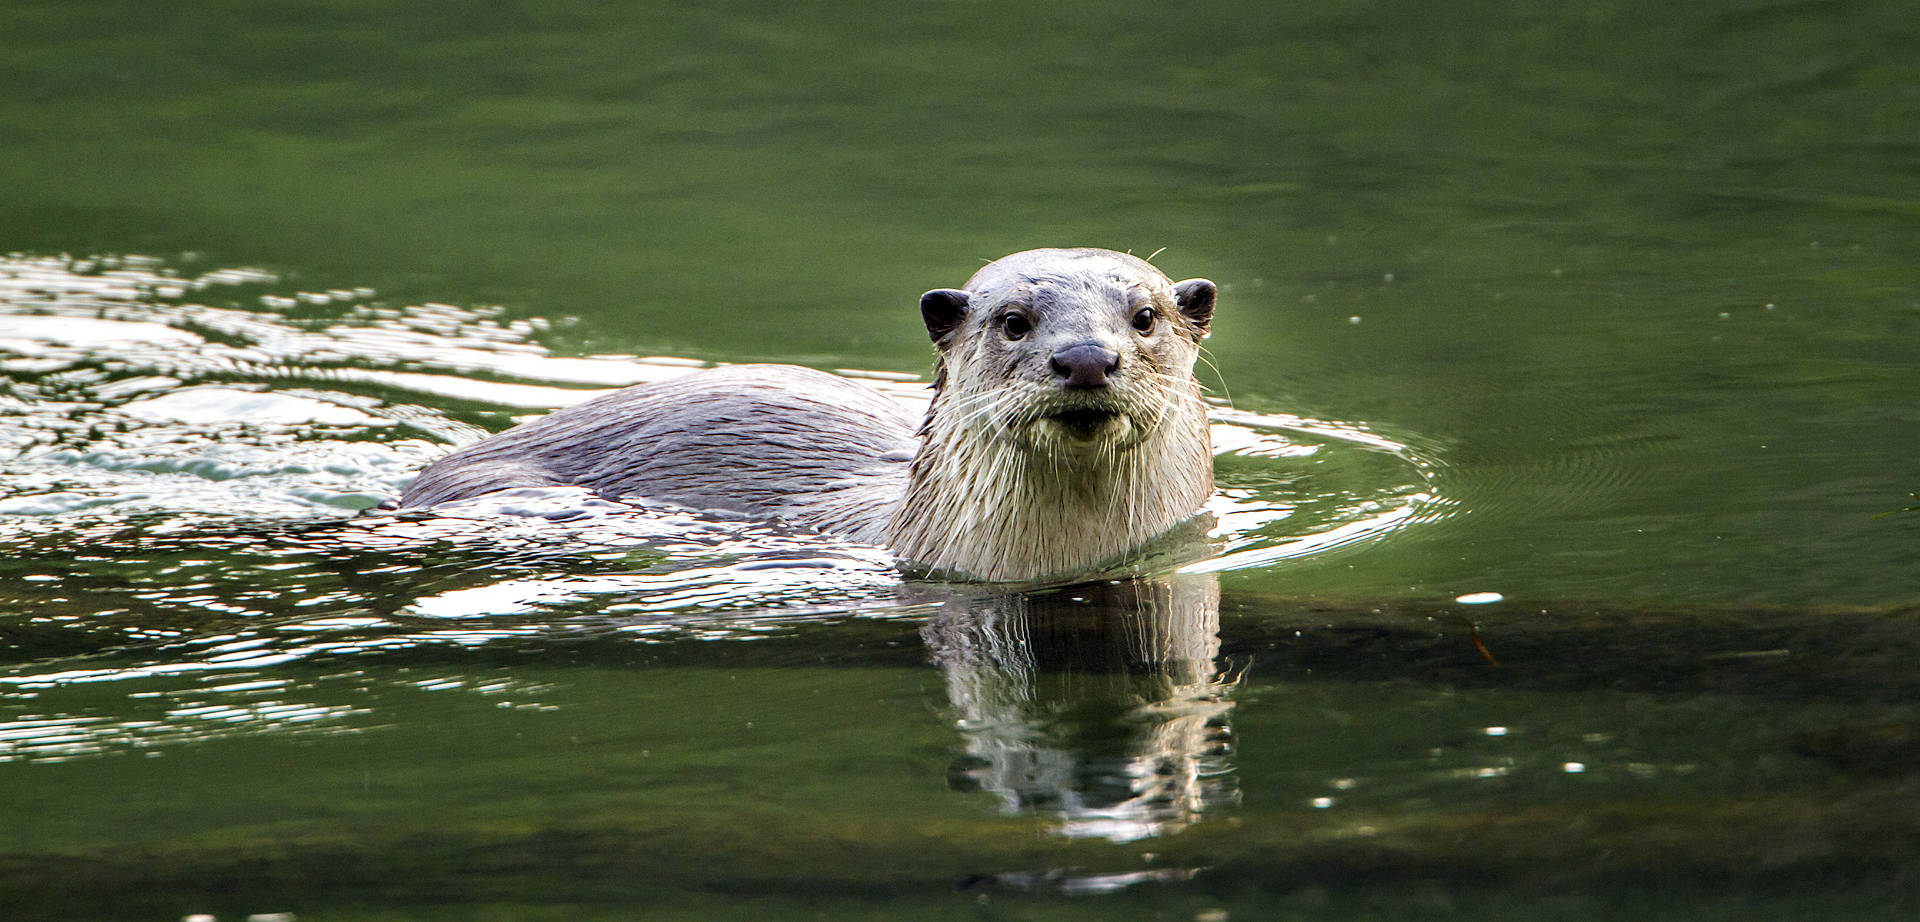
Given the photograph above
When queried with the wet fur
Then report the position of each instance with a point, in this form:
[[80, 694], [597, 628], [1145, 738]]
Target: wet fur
[[768, 441]]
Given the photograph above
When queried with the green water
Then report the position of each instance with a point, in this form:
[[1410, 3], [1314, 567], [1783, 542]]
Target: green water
[[1625, 296]]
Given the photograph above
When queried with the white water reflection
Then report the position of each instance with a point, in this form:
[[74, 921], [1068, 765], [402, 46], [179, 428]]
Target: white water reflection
[[1102, 707], [54, 737], [217, 404]]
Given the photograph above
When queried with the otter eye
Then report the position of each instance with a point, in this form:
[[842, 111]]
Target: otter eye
[[1143, 320], [1015, 326]]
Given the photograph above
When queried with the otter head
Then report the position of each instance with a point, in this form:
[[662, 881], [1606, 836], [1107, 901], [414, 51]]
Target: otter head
[[1074, 353]]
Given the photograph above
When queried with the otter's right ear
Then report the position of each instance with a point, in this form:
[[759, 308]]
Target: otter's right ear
[[1195, 297], [943, 309]]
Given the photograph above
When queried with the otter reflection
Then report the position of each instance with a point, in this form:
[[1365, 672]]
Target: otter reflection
[[1101, 705]]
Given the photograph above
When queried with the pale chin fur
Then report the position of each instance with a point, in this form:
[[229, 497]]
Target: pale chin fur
[[1015, 502]]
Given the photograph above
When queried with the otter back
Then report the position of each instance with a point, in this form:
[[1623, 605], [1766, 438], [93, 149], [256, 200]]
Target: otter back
[[771, 441]]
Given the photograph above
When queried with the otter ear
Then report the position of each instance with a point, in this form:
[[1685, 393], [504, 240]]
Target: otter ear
[[943, 309], [1195, 297]]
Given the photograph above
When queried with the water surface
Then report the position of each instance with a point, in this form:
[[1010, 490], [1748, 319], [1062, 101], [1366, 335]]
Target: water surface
[[1563, 565]]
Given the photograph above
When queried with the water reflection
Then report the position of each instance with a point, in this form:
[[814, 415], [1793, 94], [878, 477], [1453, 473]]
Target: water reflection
[[51, 718], [1103, 706]]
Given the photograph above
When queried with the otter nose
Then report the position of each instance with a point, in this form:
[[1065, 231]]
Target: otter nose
[[1085, 365]]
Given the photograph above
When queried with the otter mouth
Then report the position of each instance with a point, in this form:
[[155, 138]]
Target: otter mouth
[[1086, 423]]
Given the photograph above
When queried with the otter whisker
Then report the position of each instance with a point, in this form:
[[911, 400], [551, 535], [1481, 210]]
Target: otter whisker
[[1203, 355]]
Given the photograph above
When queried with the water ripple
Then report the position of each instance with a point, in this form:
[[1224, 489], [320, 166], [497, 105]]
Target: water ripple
[[191, 458]]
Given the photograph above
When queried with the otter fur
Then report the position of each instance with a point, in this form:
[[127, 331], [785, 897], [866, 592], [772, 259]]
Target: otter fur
[[1065, 429]]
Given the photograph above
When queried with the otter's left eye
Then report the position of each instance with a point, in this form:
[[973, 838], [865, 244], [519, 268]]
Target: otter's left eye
[[1143, 321], [1015, 326]]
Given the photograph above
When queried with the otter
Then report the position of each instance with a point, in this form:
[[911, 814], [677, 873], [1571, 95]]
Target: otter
[[1066, 429]]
